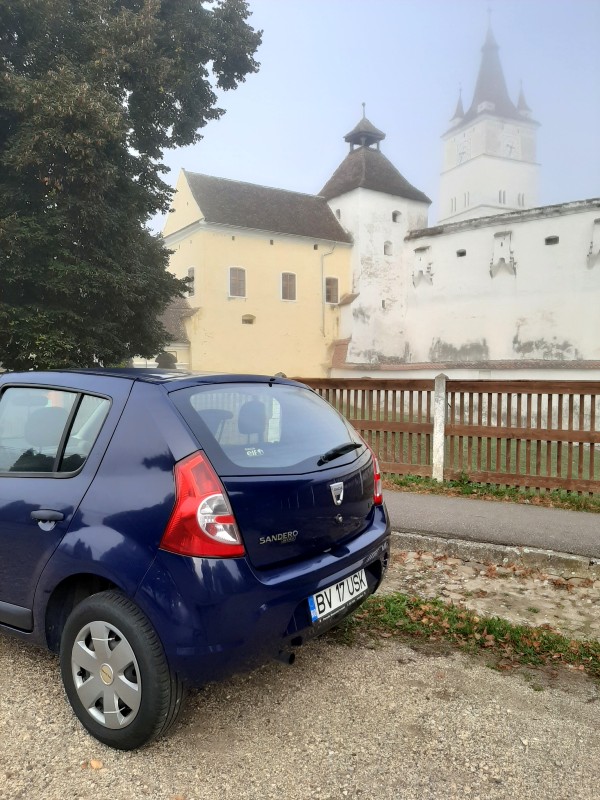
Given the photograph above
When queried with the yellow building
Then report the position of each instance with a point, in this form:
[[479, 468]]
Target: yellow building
[[269, 271]]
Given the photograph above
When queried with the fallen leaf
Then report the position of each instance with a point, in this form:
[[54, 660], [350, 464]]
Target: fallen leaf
[[95, 764]]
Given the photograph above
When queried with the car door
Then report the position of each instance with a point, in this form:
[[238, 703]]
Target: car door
[[47, 462]]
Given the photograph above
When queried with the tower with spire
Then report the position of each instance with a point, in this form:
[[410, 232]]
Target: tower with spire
[[489, 162]]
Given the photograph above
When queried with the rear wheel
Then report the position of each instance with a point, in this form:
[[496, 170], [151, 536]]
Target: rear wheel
[[115, 672]]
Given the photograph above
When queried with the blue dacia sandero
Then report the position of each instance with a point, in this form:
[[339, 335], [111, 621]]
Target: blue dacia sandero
[[162, 529]]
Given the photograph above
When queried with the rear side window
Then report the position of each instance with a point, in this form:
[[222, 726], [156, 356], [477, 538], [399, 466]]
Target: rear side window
[[47, 430], [256, 427]]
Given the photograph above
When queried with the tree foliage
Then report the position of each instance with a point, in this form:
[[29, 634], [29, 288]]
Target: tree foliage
[[91, 94]]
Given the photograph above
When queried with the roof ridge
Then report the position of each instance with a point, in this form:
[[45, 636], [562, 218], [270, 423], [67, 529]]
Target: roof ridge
[[250, 183]]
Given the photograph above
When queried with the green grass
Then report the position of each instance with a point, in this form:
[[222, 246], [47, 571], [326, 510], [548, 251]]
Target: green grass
[[465, 487], [511, 456], [433, 620]]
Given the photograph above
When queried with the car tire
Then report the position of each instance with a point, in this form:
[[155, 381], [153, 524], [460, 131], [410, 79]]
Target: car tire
[[115, 672]]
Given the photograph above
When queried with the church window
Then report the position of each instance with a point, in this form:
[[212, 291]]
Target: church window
[[461, 253], [502, 196], [237, 282], [331, 290], [338, 213], [466, 199], [190, 286], [248, 319], [452, 205], [396, 216], [388, 249], [315, 246], [551, 240], [288, 286]]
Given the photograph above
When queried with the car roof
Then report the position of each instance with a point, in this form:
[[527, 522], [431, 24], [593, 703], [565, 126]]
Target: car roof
[[171, 378]]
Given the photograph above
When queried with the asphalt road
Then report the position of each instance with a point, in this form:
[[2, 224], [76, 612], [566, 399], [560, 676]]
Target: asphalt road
[[501, 523]]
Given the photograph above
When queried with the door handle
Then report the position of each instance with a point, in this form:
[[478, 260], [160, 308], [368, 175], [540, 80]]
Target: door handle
[[47, 515]]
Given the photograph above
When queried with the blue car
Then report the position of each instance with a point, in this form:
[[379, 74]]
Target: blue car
[[162, 529]]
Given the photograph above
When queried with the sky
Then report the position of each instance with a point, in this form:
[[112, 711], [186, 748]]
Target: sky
[[406, 59]]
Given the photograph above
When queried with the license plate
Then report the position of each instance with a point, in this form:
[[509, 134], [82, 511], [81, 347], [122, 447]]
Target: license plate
[[326, 602]]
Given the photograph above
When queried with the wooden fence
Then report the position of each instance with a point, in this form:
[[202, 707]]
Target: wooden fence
[[531, 434]]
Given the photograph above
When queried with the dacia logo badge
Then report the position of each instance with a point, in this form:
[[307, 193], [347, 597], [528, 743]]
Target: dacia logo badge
[[337, 492]]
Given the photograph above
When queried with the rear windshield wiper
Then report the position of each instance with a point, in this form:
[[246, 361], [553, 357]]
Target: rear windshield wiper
[[338, 451]]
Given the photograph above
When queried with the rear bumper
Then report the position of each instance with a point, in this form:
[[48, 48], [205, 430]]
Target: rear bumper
[[220, 616]]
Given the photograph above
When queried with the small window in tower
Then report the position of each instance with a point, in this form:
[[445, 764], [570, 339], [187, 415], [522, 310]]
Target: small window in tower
[[551, 240], [396, 216], [387, 249], [315, 246], [461, 253], [271, 241], [331, 290], [338, 213], [190, 286], [248, 319], [288, 286]]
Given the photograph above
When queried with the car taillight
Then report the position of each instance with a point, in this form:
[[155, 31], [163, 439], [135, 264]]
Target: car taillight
[[202, 523], [377, 488]]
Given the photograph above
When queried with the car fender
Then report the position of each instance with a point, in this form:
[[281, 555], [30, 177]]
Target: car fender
[[97, 551]]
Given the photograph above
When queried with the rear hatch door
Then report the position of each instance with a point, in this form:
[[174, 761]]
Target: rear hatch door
[[299, 479]]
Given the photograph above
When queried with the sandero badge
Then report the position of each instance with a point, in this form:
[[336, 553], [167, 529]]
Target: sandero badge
[[164, 529]]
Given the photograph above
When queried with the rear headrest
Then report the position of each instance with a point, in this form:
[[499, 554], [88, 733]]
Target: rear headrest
[[252, 418], [45, 426]]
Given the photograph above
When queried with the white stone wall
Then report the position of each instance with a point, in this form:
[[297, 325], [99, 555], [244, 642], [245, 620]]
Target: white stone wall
[[541, 302]]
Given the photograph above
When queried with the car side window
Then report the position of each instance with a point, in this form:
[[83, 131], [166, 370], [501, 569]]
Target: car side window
[[33, 422], [86, 426]]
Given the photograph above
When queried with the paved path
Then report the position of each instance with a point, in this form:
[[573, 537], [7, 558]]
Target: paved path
[[499, 523]]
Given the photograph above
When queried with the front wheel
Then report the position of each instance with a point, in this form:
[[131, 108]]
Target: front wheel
[[115, 672]]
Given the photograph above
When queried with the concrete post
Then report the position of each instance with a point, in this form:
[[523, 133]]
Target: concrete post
[[439, 427]]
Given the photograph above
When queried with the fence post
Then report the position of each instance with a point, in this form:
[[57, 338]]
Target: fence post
[[439, 427]]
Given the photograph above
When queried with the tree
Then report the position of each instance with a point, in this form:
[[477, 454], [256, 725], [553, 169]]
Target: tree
[[91, 94]]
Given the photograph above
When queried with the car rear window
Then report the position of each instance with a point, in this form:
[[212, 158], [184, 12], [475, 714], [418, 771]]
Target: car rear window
[[256, 427]]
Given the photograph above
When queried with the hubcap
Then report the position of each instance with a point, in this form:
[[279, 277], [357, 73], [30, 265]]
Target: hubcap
[[106, 675]]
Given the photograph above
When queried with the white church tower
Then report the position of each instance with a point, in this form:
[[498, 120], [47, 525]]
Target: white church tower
[[489, 163]]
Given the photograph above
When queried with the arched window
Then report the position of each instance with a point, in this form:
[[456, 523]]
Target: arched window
[[387, 249], [396, 216]]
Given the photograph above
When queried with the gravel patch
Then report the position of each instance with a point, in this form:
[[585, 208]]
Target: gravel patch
[[344, 722]]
